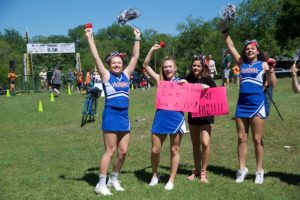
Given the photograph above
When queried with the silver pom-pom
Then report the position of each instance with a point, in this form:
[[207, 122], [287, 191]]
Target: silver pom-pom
[[228, 12], [127, 15]]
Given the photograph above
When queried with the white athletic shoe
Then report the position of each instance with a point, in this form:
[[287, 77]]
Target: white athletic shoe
[[169, 186], [259, 177], [154, 181], [115, 184], [102, 189], [241, 174]]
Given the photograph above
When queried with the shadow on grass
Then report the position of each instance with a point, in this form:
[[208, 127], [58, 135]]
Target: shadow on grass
[[291, 179], [143, 175]]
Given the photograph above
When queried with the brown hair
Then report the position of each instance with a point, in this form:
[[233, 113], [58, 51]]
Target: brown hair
[[205, 70]]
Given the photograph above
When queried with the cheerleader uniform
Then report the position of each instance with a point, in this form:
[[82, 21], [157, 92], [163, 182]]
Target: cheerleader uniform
[[251, 100], [168, 121], [115, 113]]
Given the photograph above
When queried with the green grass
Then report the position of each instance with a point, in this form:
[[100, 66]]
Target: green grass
[[47, 155]]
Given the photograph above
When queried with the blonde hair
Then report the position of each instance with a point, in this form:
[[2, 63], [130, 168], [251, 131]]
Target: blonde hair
[[162, 76]]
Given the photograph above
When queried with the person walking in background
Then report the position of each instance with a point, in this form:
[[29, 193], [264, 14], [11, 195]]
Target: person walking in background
[[70, 79], [236, 74], [11, 80], [166, 122], [211, 66], [295, 84], [79, 80], [87, 79], [226, 63], [200, 127], [56, 80], [115, 120], [43, 78], [250, 110], [49, 78]]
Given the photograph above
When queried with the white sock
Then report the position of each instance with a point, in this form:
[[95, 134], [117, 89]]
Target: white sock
[[114, 176], [102, 179]]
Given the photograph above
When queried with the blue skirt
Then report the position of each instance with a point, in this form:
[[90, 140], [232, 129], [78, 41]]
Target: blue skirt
[[168, 122], [115, 119], [251, 105]]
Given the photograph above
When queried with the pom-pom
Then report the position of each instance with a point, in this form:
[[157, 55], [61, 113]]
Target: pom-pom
[[228, 12], [88, 25], [162, 44], [127, 15]]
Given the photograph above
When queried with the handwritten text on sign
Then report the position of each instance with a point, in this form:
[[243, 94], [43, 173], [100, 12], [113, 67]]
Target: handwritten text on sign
[[213, 102], [172, 96]]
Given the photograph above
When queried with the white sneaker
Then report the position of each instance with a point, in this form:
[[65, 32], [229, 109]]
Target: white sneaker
[[115, 184], [259, 177], [102, 189], [169, 186], [241, 174], [154, 181]]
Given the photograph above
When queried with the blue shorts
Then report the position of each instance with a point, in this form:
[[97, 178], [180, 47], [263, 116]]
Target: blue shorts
[[115, 119], [250, 105]]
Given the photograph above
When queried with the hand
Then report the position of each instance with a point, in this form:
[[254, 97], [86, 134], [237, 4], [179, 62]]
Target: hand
[[293, 69], [155, 47], [137, 33], [89, 33], [182, 81], [223, 27], [204, 86]]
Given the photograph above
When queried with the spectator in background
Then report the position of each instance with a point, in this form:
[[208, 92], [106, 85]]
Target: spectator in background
[[236, 74], [56, 80], [49, 78], [11, 80], [79, 78], [211, 66], [295, 84], [43, 78], [226, 63], [70, 78], [87, 79]]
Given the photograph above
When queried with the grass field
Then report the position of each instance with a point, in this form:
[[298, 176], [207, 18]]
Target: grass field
[[47, 155]]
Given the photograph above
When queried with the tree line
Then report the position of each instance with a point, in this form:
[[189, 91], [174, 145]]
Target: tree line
[[274, 23]]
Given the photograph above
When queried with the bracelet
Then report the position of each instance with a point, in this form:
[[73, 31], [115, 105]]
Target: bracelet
[[137, 39], [270, 71]]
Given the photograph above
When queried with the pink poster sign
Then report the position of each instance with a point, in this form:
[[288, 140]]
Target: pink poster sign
[[172, 96], [213, 101]]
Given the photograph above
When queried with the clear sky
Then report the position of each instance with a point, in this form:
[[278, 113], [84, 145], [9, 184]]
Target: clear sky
[[56, 17]]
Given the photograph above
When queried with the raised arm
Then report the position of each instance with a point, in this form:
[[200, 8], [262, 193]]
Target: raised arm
[[229, 43], [103, 72], [295, 84], [146, 65], [135, 53]]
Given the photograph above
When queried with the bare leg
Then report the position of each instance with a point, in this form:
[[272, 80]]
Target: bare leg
[[157, 142], [195, 138], [175, 140], [242, 125], [257, 126], [205, 141], [110, 142], [122, 142]]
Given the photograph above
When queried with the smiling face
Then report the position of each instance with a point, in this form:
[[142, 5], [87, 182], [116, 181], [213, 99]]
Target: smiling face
[[169, 69], [116, 65], [251, 51], [197, 68]]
